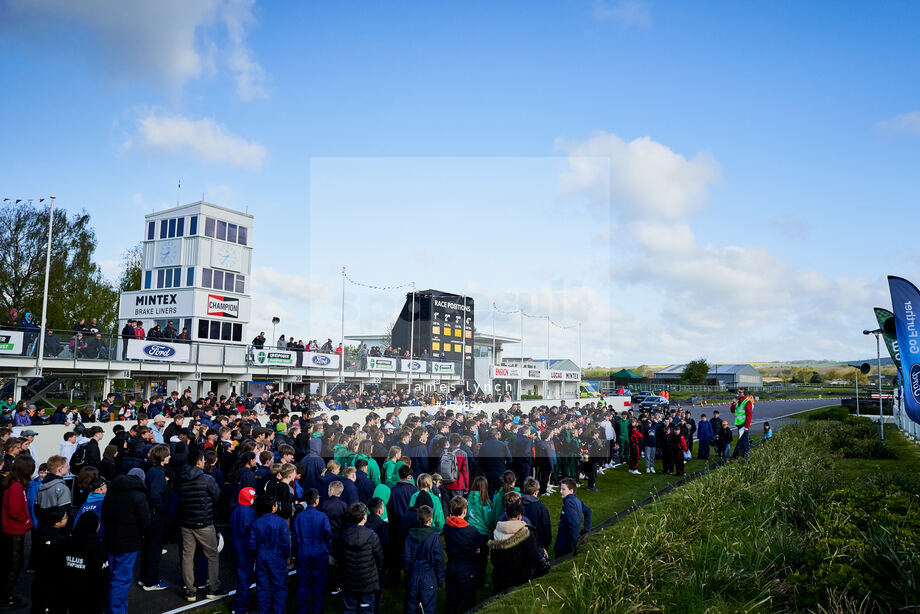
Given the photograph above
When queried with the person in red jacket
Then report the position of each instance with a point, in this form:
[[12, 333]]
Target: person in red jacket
[[635, 441], [461, 485], [16, 522]]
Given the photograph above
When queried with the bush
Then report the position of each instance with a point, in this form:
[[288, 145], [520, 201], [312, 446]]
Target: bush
[[832, 413]]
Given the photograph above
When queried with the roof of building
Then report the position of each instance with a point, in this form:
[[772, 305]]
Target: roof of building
[[714, 369]]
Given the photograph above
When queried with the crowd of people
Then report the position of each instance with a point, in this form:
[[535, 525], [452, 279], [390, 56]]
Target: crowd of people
[[419, 501]]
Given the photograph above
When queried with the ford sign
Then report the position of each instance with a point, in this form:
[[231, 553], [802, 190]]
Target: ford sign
[[322, 361], [155, 350], [915, 381]]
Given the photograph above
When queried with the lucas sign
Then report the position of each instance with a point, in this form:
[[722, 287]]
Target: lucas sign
[[158, 351]]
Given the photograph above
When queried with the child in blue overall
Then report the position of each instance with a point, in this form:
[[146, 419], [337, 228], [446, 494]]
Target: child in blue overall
[[423, 562], [270, 539], [241, 521], [312, 535]]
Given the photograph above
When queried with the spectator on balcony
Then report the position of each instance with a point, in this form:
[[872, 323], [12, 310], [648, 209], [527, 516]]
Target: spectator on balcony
[[155, 334], [93, 343], [12, 320], [53, 346], [183, 336], [30, 333], [139, 332], [258, 342], [126, 333], [327, 347], [78, 346], [338, 350], [170, 332], [282, 343], [80, 326], [94, 325]]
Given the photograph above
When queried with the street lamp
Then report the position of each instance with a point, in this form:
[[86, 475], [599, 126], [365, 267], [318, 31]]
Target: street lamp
[[275, 321], [878, 351]]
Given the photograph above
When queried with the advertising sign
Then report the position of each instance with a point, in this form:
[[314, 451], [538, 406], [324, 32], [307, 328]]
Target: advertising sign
[[312, 360], [381, 363], [905, 303], [443, 368], [572, 376], [415, 366], [160, 304], [506, 372], [555, 375], [223, 306], [11, 342], [158, 350], [275, 358]]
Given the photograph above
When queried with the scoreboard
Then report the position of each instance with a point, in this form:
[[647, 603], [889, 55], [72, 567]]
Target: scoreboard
[[443, 327]]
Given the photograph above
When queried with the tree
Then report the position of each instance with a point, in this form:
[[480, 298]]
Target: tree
[[816, 378], [695, 372], [76, 288], [131, 268]]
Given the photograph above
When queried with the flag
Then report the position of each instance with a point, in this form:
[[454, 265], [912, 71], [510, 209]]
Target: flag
[[18, 200], [5, 199], [905, 303], [886, 323]]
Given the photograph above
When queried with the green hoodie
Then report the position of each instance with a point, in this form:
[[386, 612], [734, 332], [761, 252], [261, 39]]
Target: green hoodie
[[479, 514], [373, 469], [383, 491], [391, 472], [340, 453], [498, 505]]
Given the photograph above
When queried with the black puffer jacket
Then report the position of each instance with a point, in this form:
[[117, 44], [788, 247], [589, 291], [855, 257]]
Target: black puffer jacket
[[125, 515], [360, 555], [516, 559], [198, 494]]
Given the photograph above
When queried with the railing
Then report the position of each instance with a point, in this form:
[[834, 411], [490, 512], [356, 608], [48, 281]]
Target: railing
[[61, 345]]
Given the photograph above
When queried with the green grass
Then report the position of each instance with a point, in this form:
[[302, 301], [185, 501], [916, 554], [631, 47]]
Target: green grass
[[746, 538]]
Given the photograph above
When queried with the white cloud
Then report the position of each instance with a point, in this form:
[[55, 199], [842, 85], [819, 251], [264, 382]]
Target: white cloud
[[642, 177], [739, 302], [168, 41], [906, 123], [250, 78], [204, 139], [624, 12]]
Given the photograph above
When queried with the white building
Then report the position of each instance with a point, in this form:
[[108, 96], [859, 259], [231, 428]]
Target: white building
[[195, 272]]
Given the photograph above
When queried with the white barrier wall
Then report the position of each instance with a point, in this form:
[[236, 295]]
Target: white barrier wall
[[47, 442]]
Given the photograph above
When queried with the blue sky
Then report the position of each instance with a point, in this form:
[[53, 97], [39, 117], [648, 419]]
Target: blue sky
[[724, 179]]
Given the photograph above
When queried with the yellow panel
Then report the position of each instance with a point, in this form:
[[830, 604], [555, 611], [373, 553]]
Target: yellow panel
[[469, 349], [457, 332], [447, 331], [436, 345], [469, 334], [458, 347], [435, 330]]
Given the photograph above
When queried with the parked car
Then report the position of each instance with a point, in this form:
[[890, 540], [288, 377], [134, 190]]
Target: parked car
[[654, 403], [640, 396]]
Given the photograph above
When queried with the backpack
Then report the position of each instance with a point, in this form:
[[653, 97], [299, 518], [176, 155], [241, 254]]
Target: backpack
[[78, 460], [447, 467]]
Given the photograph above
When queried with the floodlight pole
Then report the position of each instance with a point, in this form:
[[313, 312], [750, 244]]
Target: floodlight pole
[[41, 338]]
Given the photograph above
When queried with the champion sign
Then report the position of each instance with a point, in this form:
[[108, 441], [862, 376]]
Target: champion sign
[[223, 306], [159, 352]]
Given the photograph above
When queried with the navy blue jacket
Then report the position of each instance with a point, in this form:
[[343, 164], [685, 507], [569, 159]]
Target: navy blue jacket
[[350, 492], [241, 521], [423, 553], [419, 456], [538, 515], [399, 498], [312, 535], [365, 486], [463, 546], [313, 466], [493, 457], [704, 431], [336, 510], [573, 510], [158, 489], [271, 540]]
